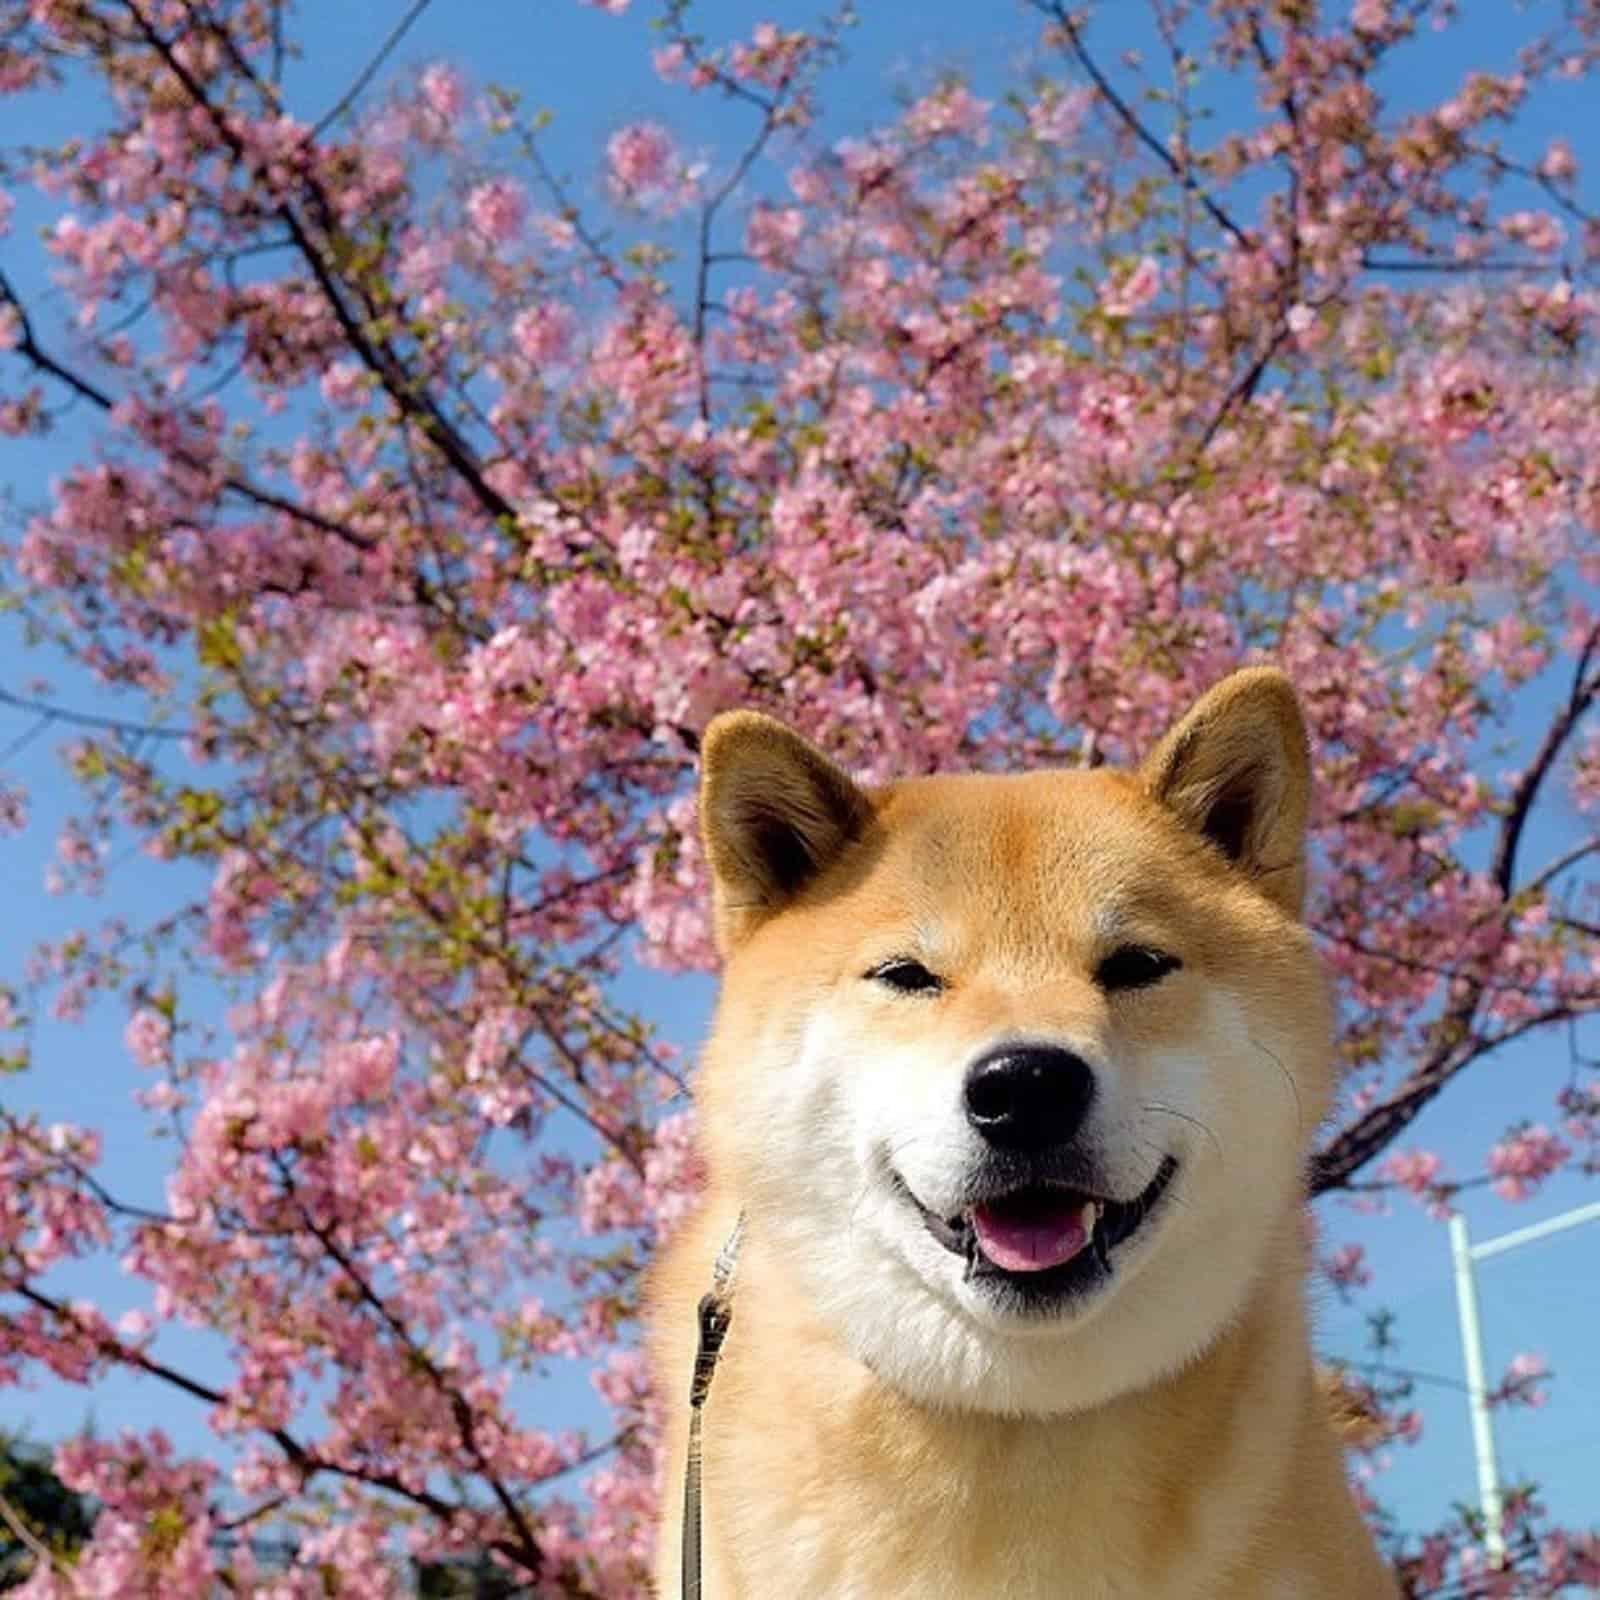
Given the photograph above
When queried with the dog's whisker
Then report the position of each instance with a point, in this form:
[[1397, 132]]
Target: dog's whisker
[[1162, 1108], [1288, 1078], [895, 1148], [863, 1193]]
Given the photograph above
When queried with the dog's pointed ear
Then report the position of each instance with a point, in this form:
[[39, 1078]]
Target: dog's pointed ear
[[774, 812], [1237, 770]]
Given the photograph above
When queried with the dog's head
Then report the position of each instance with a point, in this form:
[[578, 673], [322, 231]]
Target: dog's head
[[1017, 1073]]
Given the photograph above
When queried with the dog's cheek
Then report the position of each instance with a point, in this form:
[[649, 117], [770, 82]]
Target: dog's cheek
[[906, 1108], [780, 1089], [1239, 1085], [797, 1127]]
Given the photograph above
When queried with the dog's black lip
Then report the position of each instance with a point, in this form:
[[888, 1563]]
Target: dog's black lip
[[1119, 1221]]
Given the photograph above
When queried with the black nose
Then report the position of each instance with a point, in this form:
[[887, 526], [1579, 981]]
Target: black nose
[[1028, 1097]]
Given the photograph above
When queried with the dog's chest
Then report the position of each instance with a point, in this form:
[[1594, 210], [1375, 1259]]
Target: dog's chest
[[1027, 1528], [806, 1561]]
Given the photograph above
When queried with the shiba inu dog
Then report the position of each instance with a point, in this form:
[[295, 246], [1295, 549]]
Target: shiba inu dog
[[1013, 1080]]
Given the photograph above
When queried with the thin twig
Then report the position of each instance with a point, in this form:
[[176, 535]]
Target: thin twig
[[370, 71], [89, 719], [1130, 119]]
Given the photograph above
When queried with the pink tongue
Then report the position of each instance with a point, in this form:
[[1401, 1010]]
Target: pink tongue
[[1032, 1241]]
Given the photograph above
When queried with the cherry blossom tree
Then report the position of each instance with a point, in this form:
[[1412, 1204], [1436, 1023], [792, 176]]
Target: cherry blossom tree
[[425, 514]]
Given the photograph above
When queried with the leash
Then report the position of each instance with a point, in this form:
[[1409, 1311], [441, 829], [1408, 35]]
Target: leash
[[716, 1312]]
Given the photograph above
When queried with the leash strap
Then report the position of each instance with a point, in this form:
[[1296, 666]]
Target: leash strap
[[716, 1312]]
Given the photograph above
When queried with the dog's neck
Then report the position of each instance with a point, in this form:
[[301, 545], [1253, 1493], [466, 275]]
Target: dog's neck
[[1265, 1349]]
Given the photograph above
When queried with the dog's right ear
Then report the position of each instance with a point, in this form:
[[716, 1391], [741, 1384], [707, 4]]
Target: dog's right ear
[[774, 811]]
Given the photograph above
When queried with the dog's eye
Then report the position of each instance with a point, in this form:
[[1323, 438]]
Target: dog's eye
[[1134, 966], [906, 976]]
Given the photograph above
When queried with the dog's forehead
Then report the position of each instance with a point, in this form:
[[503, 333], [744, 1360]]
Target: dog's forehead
[[1058, 847]]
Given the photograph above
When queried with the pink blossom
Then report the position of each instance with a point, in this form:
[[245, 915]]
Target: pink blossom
[[1524, 1159], [1346, 1267], [345, 384], [1122, 296], [543, 333], [19, 418], [148, 1037], [135, 1324], [673, 1174], [75, 848], [950, 111], [1558, 163], [1538, 230], [19, 72], [1370, 16], [1521, 1383], [1056, 116], [557, 232], [364, 1069], [444, 91], [641, 158], [669, 61], [1419, 1172], [1408, 1427], [497, 209], [775, 232]]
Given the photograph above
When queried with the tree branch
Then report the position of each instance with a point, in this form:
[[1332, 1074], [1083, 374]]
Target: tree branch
[[30, 349], [306, 1462], [33, 352], [1580, 698], [1354, 1146], [413, 402], [532, 1557], [1455, 1047]]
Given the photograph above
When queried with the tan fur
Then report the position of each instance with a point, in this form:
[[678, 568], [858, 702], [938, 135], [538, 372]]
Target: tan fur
[[875, 1429]]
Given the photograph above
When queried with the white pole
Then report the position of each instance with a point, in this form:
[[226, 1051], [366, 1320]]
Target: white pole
[[1540, 1230], [1494, 1539]]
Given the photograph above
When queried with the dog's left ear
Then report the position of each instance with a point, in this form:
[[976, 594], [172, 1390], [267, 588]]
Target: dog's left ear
[[1237, 770]]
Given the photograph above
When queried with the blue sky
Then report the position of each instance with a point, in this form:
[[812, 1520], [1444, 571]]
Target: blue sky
[[594, 74]]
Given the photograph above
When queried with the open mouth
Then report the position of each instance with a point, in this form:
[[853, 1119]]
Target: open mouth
[[1044, 1239]]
